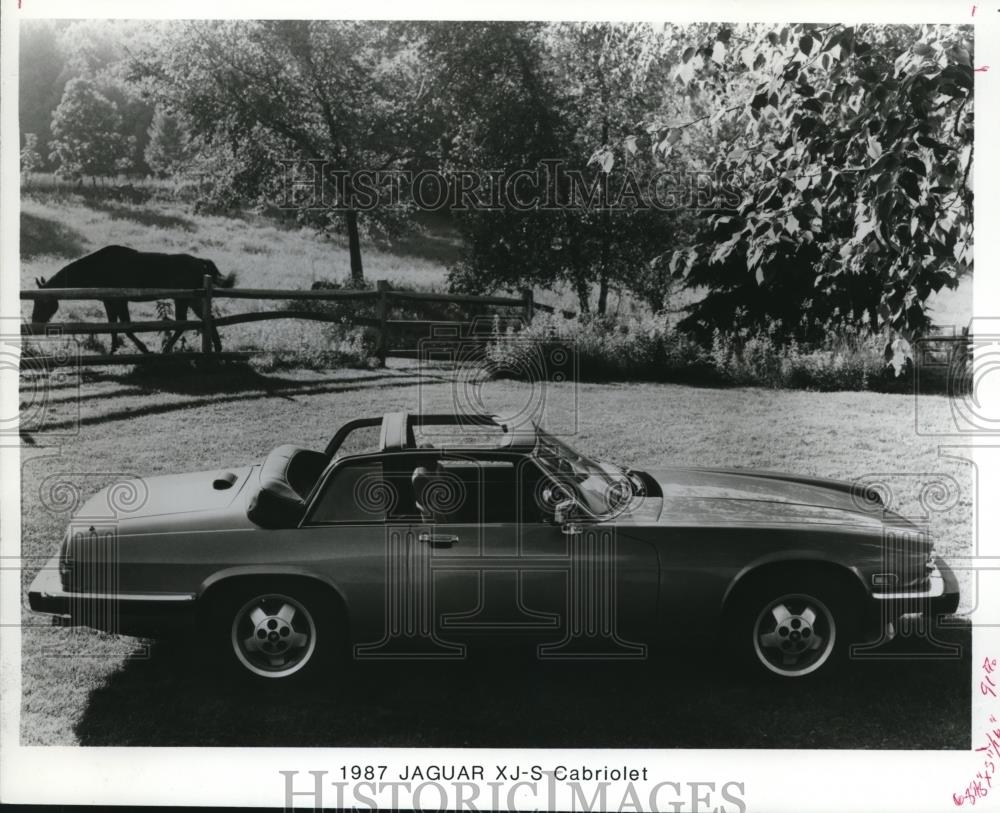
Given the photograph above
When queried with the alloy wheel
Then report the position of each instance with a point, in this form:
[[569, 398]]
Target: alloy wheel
[[794, 635], [273, 635]]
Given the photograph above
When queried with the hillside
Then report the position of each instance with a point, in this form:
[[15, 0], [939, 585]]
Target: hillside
[[57, 227]]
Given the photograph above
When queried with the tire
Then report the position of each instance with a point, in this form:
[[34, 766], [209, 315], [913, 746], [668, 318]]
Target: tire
[[792, 627], [276, 633]]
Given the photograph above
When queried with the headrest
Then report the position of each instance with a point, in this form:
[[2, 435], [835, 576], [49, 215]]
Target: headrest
[[420, 477]]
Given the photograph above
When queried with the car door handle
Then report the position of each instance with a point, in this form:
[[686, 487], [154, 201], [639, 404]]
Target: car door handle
[[438, 540]]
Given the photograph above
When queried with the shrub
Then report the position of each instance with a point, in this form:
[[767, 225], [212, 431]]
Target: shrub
[[652, 348], [847, 360], [635, 347], [341, 346]]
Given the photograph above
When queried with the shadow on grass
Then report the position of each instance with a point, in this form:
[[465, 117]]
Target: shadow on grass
[[227, 378], [146, 217], [223, 384], [687, 702], [441, 247], [188, 374], [42, 236]]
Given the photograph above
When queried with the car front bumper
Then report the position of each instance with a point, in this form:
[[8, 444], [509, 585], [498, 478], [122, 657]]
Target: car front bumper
[[941, 597], [141, 614]]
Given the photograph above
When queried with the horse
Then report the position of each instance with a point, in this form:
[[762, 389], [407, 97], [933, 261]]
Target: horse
[[121, 267]]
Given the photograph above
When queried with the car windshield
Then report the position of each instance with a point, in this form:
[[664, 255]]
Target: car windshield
[[600, 487]]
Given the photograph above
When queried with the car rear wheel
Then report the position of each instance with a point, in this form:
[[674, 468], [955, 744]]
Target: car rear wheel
[[793, 627], [288, 633]]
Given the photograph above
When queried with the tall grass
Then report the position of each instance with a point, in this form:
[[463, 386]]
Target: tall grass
[[601, 348], [846, 360], [651, 348]]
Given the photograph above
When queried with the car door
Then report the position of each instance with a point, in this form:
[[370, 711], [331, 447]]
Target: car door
[[360, 534], [503, 569]]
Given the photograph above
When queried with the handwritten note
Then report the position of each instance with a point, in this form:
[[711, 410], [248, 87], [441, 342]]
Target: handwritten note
[[980, 786]]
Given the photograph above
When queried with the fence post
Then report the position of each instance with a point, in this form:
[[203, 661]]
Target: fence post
[[528, 296], [206, 315], [381, 314]]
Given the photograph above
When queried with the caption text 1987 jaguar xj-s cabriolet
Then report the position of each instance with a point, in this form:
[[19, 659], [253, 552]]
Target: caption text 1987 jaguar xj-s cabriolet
[[416, 536]]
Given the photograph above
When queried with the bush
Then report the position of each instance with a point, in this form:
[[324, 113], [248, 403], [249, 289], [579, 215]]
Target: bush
[[847, 360], [341, 346], [637, 347], [652, 348]]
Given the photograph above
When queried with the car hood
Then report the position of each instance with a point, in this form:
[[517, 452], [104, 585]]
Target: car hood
[[742, 496], [213, 499]]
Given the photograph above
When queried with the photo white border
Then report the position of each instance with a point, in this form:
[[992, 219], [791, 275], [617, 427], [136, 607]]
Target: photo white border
[[774, 780]]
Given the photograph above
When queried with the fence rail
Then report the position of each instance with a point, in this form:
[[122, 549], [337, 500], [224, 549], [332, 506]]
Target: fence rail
[[382, 296]]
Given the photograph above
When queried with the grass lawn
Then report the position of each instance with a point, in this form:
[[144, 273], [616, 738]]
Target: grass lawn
[[82, 687]]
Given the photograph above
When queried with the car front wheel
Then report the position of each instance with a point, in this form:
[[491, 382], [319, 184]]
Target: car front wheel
[[793, 630]]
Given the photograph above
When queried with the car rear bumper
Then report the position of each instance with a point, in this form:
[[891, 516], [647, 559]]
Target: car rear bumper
[[142, 614]]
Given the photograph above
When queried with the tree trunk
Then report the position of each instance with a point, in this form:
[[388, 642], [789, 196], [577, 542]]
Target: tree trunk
[[602, 296], [354, 245], [583, 294]]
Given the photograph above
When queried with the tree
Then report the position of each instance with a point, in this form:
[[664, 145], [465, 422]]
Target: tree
[[99, 50], [608, 73], [168, 150], [497, 112], [345, 95], [31, 160], [855, 149], [42, 75], [87, 137], [517, 96]]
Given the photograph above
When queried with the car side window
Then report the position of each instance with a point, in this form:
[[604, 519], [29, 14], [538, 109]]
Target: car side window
[[470, 492], [535, 491], [354, 492]]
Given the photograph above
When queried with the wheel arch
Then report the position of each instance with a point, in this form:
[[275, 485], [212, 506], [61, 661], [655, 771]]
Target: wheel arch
[[224, 580], [799, 561]]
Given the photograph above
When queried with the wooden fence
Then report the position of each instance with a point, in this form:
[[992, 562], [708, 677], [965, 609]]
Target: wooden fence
[[382, 296]]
